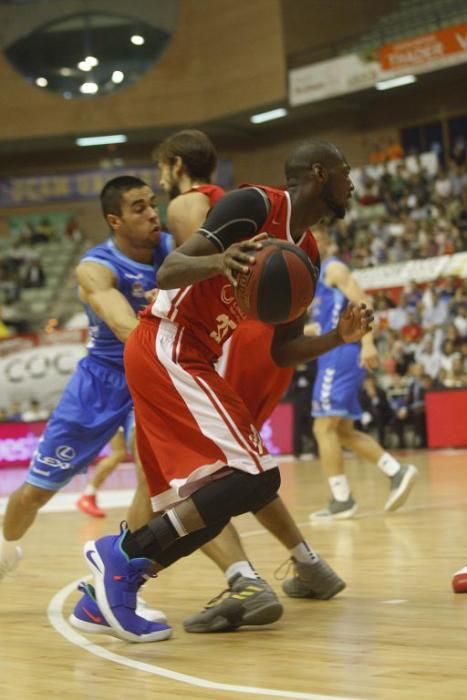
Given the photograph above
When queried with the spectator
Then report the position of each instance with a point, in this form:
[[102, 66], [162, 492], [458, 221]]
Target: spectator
[[416, 402], [412, 331], [427, 356], [398, 401], [34, 412], [34, 276], [377, 412], [15, 412]]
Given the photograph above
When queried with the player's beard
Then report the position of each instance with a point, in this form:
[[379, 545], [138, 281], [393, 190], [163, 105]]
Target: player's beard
[[174, 191], [336, 210]]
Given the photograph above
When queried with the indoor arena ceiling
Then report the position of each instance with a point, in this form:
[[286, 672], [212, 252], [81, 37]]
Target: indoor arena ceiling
[[76, 26]]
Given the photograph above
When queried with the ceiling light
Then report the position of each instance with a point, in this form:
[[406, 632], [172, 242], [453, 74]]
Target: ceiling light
[[137, 39], [84, 65], [92, 61], [117, 76], [395, 82], [66, 72], [42, 82], [101, 140], [89, 88], [268, 116]]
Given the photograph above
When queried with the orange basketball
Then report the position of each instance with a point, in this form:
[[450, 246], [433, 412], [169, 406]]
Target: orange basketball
[[280, 286]]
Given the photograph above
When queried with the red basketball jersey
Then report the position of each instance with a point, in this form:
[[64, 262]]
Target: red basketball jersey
[[213, 192], [208, 310]]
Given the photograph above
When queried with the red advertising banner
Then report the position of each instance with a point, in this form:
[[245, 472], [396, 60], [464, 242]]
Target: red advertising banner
[[18, 441], [446, 422], [426, 50]]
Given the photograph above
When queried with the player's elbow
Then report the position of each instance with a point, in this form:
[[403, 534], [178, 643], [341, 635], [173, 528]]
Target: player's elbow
[[281, 357]]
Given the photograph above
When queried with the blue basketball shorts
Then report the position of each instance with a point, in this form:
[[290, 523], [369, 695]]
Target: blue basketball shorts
[[338, 379], [95, 403]]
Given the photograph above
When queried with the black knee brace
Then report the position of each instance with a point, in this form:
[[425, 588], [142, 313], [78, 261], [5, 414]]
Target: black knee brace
[[235, 494], [188, 544]]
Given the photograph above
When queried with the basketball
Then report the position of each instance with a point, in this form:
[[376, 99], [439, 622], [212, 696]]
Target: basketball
[[280, 286]]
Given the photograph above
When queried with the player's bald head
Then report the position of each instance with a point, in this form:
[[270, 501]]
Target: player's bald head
[[299, 162]]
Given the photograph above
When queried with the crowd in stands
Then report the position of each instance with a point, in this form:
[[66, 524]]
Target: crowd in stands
[[405, 213], [422, 344], [20, 263], [17, 413]]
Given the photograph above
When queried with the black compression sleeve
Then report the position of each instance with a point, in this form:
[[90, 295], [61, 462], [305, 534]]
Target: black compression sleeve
[[238, 215]]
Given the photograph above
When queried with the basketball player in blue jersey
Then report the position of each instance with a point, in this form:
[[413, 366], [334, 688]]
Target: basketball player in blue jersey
[[335, 393], [113, 278]]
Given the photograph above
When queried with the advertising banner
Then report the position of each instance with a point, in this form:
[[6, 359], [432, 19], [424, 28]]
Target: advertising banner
[[447, 46], [38, 373], [352, 72]]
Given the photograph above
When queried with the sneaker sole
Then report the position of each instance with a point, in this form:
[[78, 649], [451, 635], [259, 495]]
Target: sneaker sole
[[264, 616], [403, 492], [345, 515], [306, 593], [90, 627], [97, 567]]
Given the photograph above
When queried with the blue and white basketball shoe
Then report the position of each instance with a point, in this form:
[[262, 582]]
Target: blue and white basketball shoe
[[117, 579], [88, 618]]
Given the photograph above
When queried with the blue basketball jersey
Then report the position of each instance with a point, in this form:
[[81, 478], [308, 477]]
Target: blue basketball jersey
[[96, 400], [133, 280], [328, 301]]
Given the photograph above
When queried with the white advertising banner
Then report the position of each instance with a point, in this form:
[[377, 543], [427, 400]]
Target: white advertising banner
[[338, 76], [399, 274], [37, 373], [350, 73]]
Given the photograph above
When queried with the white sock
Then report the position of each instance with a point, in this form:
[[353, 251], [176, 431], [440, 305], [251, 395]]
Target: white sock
[[339, 487], [303, 552], [388, 464], [7, 547], [90, 490], [240, 567]]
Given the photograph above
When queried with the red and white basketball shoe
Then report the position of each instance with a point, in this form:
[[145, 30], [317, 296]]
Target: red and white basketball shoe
[[459, 581]]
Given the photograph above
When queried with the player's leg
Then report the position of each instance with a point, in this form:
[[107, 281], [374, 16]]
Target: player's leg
[[401, 476], [140, 511], [87, 502], [120, 562], [62, 452], [335, 399], [342, 504], [248, 597], [175, 450]]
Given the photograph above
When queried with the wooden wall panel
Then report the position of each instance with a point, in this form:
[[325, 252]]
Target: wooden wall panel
[[225, 57]]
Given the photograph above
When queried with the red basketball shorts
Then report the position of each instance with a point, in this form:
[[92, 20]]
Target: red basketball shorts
[[247, 365], [190, 423]]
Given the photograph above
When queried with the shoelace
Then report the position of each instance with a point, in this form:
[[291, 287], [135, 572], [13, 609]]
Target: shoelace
[[287, 564], [216, 598]]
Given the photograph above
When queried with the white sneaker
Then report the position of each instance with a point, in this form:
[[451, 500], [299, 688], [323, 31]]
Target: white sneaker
[[401, 486], [10, 560]]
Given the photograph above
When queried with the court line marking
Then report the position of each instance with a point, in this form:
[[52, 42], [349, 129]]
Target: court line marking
[[58, 621]]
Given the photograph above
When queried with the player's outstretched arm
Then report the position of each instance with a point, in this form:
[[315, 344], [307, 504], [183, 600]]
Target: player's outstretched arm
[[219, 247], [97, 288], [291, 347]]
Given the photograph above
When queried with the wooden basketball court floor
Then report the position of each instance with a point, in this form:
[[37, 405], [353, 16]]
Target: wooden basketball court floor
[[396, 633]]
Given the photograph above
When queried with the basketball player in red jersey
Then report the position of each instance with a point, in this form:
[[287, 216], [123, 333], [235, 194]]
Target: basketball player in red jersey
[[186, 161], [203, 457]]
